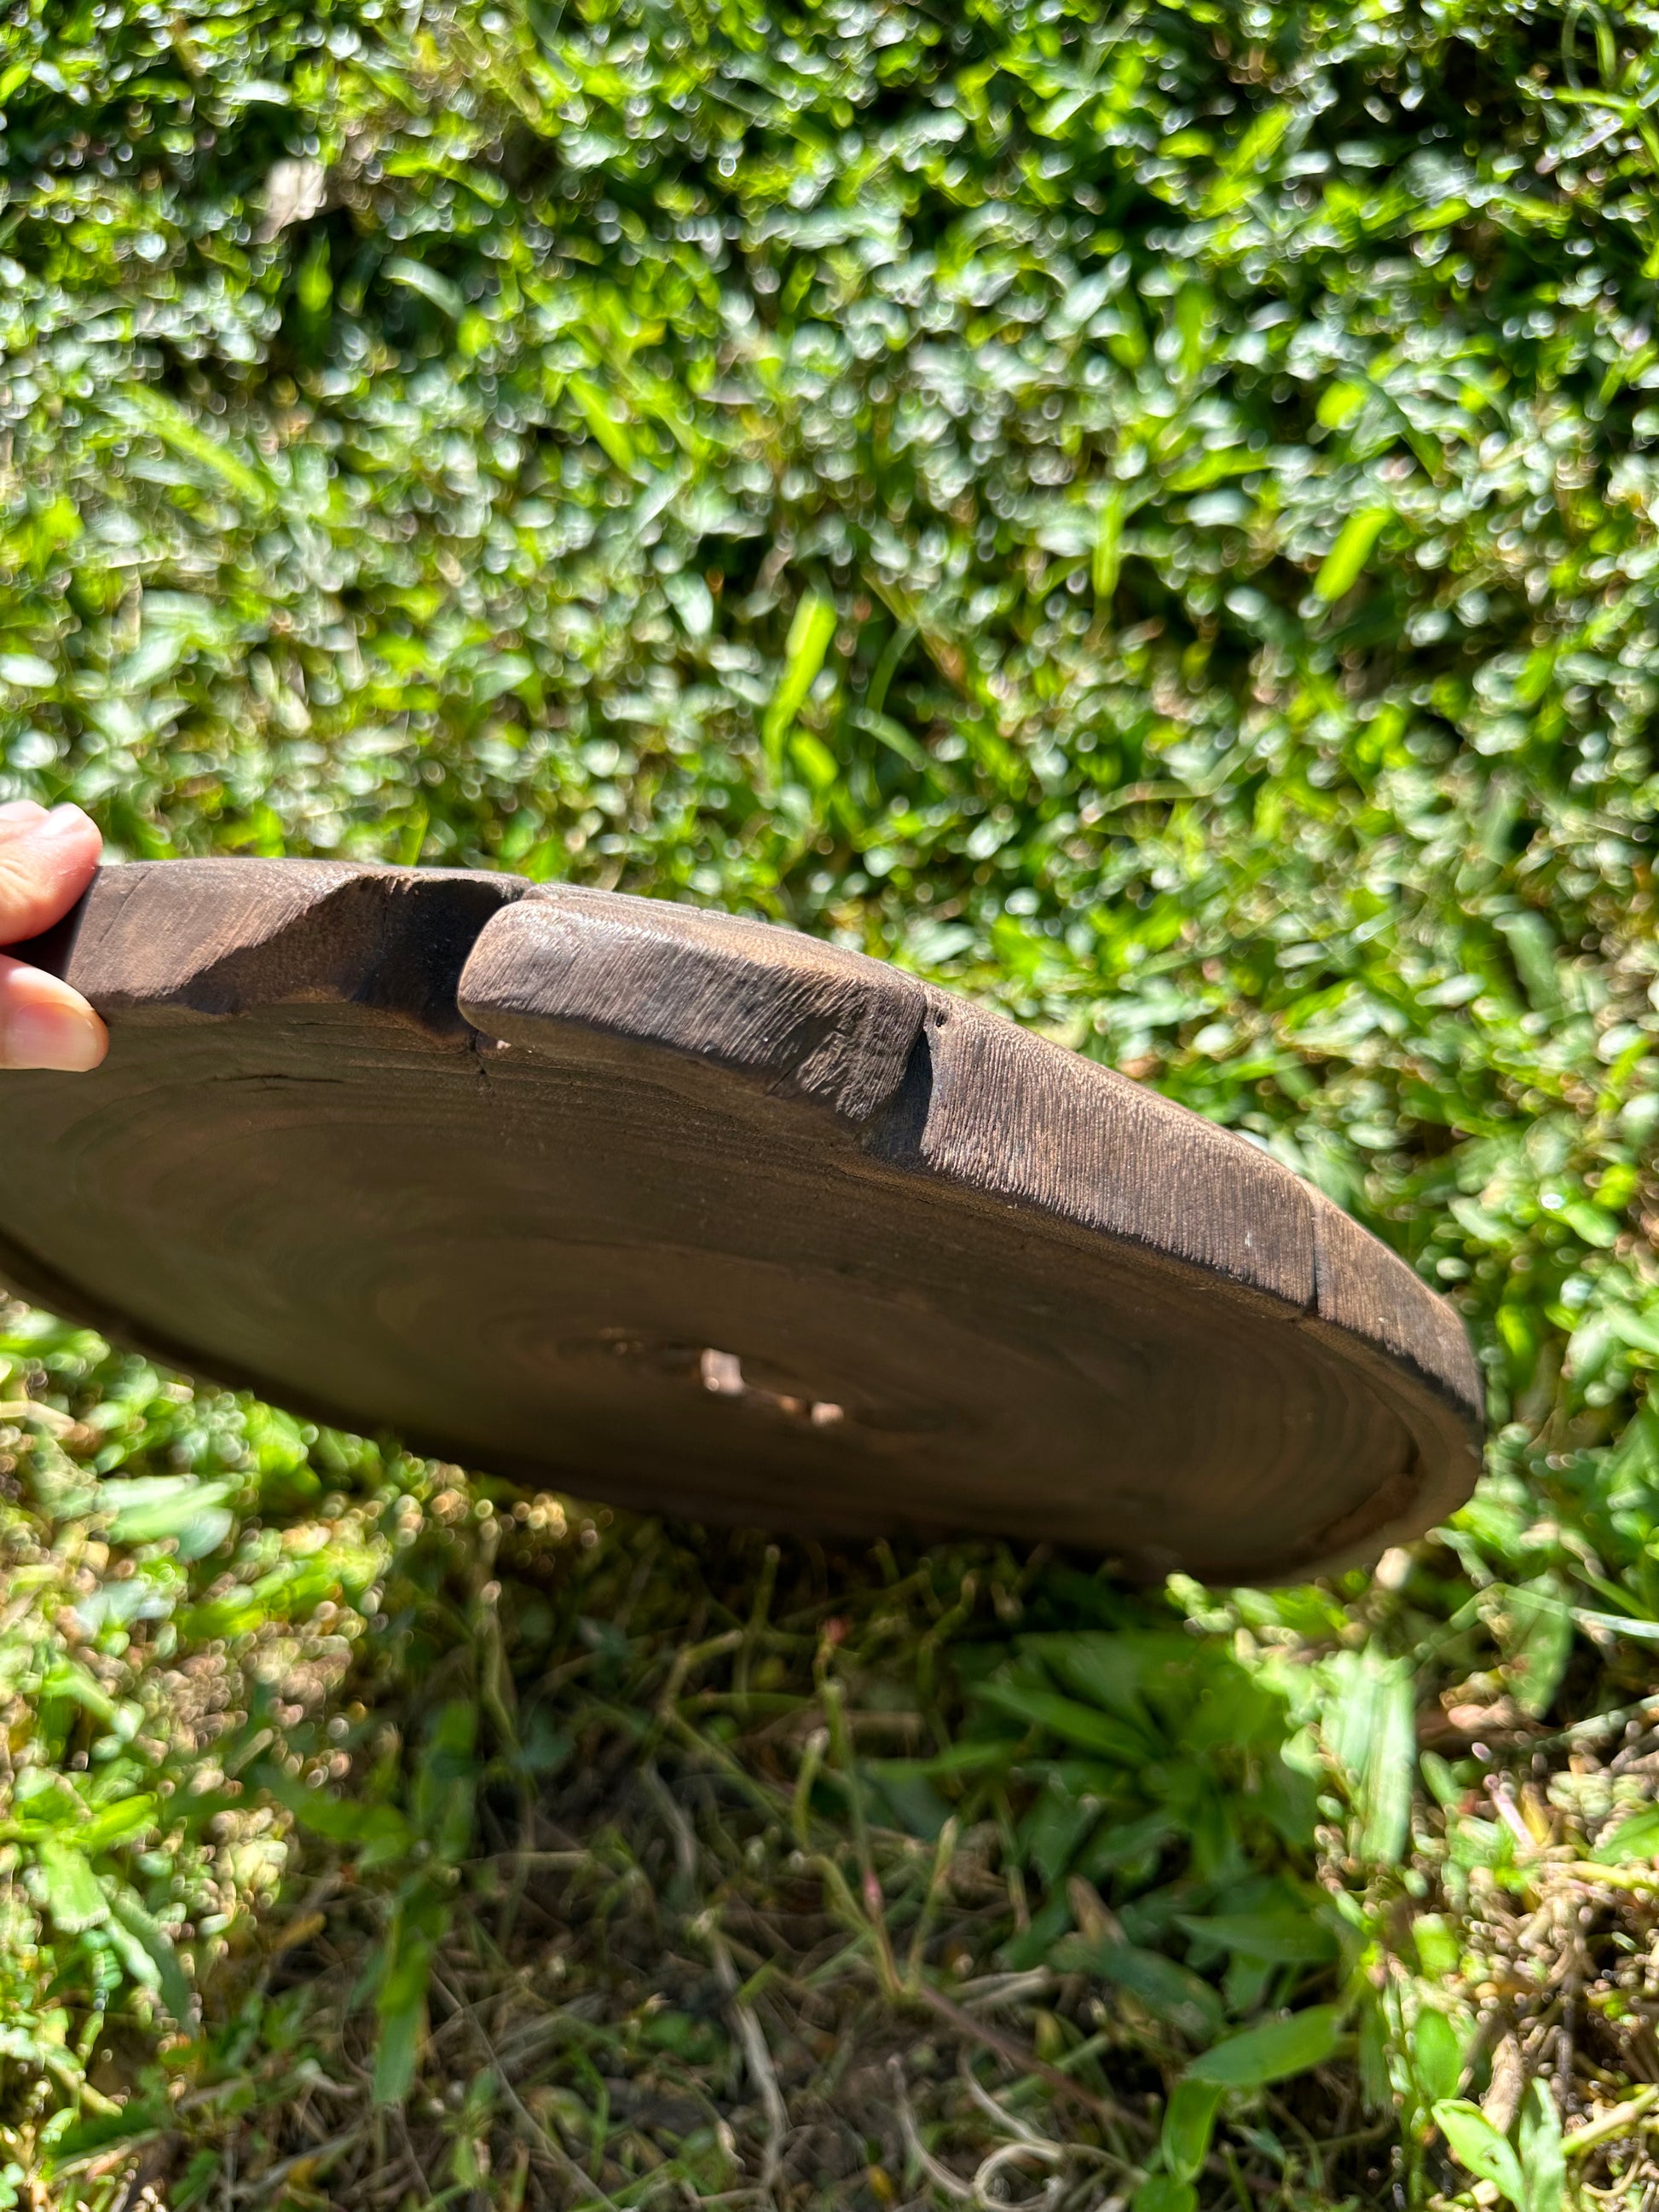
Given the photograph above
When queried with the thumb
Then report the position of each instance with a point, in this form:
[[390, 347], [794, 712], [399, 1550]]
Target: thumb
[[44, 1023]]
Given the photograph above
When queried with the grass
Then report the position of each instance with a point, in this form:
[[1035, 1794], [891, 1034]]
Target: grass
[[1146, 518], [409, 1842]]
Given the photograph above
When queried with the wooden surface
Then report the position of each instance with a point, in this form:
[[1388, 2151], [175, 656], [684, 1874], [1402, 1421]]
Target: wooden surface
[[686, 1211]]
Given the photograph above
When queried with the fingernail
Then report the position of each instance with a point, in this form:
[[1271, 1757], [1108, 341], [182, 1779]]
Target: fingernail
[[70, 1038], [66, 817], [22, 810]]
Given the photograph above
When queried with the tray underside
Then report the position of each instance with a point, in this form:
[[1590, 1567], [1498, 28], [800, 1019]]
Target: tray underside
[[692, 1213]]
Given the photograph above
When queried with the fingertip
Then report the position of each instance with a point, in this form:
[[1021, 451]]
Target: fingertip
[[70, 825], [46, 861], [45, 1025]]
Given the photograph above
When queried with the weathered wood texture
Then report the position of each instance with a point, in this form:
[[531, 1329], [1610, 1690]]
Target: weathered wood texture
[[690, 1212]]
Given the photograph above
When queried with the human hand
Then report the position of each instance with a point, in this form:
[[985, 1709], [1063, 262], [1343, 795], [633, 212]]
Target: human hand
[[46, 861]]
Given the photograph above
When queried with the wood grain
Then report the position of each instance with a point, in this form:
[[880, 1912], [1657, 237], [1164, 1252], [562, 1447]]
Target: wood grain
[[687, 1211]]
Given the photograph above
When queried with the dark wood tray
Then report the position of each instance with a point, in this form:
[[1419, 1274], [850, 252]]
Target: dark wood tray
[[696, 1214]]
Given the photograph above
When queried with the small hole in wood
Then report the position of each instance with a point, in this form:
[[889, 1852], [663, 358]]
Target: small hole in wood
[[722, 1373]]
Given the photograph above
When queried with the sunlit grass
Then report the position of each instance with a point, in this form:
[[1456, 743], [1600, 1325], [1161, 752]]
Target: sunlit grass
[[1146, 519]]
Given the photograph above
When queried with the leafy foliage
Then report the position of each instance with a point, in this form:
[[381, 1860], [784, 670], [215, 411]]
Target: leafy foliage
[[1147, 517]]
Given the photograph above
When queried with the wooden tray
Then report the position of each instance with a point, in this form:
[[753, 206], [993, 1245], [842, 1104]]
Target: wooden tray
[[697, 1214]]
